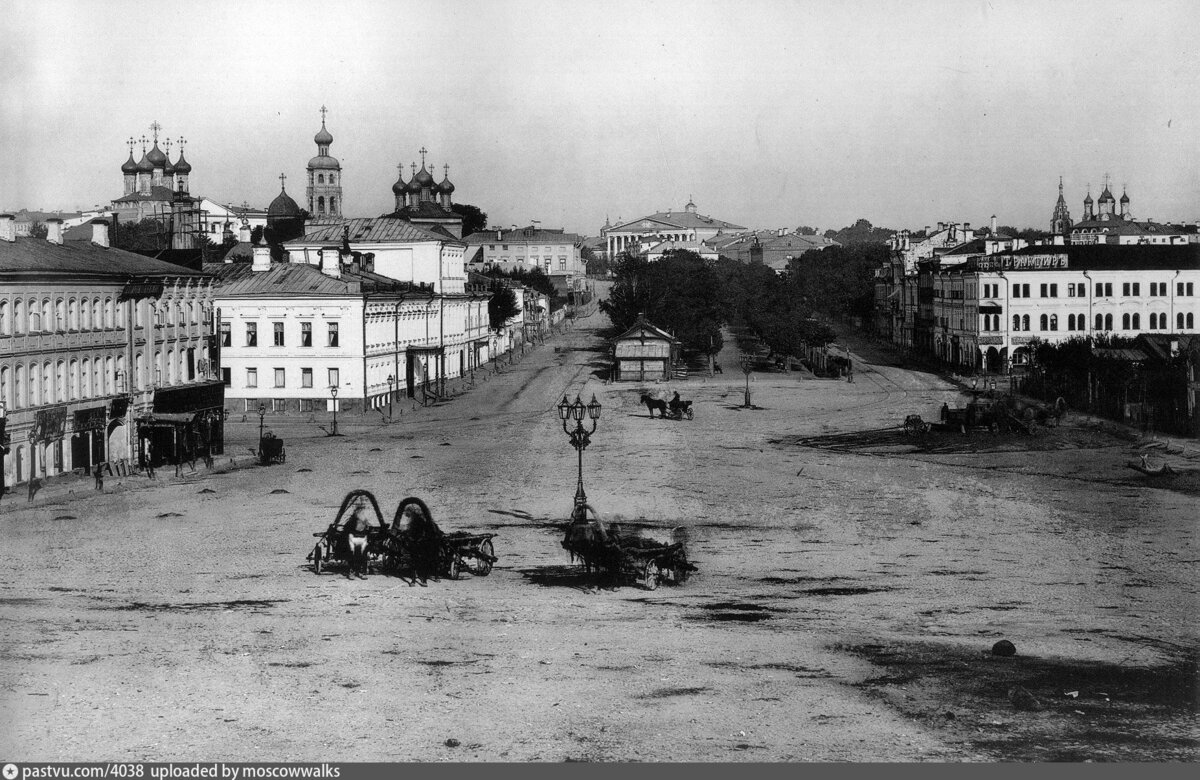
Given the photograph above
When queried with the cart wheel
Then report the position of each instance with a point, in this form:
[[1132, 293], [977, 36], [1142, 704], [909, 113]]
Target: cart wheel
[[484, 565], [452, 571], [650, 576], [317, 559]]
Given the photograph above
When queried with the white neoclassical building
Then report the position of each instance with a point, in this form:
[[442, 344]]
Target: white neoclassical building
[[665, 226]]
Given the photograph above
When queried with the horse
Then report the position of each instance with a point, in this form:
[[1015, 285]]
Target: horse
[[415, 531], [593, 544], [653, 403], [358, 528], [679, 408]]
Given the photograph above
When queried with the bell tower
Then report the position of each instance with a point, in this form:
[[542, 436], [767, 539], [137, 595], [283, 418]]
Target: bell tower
[[324, 192]]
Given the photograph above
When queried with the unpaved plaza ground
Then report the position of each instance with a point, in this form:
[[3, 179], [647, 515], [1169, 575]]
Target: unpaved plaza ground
[[851, 584]]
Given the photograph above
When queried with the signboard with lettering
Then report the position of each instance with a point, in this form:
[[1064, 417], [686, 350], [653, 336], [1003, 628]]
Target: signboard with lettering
[[1040, 262], [134, 290], [48, 424], [991, 340], [93, 419]]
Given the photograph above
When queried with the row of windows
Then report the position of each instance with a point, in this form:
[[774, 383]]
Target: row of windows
[[51, 383], [1049, 322], [306, 377], [278, 337], [1102, 290], [250, 405], [20, 316], [321, 205], [332, 179]]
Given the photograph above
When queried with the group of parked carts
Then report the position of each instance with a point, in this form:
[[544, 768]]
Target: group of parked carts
[[361, 540]]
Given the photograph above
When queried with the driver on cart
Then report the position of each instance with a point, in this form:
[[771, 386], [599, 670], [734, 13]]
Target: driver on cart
[[357, 530], [675, 405]]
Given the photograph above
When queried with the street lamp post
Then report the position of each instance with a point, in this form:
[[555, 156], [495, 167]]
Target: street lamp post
[[391, 382], [579, 436], [747, 368], [262, 413], [333, 390]]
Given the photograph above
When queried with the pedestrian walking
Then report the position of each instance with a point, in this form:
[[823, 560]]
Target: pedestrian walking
[[34, 487], [100, 477]]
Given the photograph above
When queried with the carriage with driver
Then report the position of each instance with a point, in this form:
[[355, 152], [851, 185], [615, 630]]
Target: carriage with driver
[[674, 409], [359, 539], [607, 549]]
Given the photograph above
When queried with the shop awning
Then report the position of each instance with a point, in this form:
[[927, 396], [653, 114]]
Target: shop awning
[[166, 418]]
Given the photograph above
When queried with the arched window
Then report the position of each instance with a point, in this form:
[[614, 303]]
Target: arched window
[[1099, 322], [60, 319], [1108, 322], [1053, 322], [19, 388], [320, 178], [1137, 322], [19, 322], [1024, 322], [1016, 322], [85, 378], [333, 178], [110, 376], [332, 204], [47, 316], [97, 314], [74, 383], [1124, 322], [110, 317], [321, 205], [1044, 322], [47, 389], [1070, 322], [6, 387], [139, 370], [61, 388], [1190, 322], [72, 315]]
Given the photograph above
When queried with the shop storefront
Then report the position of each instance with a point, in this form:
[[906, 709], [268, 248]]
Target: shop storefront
[[186, 424]]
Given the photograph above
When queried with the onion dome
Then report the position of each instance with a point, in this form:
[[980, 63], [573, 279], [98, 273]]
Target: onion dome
[[324, 161], [1088, 199], [283, 206], [323, 137], [446, 186], [1124, 198], [144, 165], [130, 166], [156, 157], [414, 186], [182, 165], [1106, 195], [423, 178], [400, 187]]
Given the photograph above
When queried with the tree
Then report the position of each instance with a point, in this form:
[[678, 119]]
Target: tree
[[38, 229], [147, 234], [474, 219], [256, 234], [805, 230], [502, 306], [679, 293]]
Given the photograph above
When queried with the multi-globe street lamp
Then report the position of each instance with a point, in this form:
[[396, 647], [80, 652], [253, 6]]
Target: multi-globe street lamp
[[579, 436]]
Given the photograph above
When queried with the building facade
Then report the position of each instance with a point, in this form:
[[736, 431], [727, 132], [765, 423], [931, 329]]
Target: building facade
[[105, 356], [678, 226], [556, 252]]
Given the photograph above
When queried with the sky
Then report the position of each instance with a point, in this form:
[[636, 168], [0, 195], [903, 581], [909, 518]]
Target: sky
[[765, 113]]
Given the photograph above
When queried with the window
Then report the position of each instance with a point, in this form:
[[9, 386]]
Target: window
[[1016, 322], [306, 334], [307, 405], [1137, 322], [1054, 291], [280, 378], [1045, 289], [1071, 321], [278, 328], [321, 205], [306, 377], [1190, 322], [332, 203], [1044, 322], [251, 334], [1179, 321], [1125, 288], [1108, 322], [1137, 288], [320, 178], [1053, 322], [227, 376], [1016, 291], [1124, 322], [226, 334], [333, 334], [333, 378], [1154, 321], [278, 404], [251, 377], [1104, 289]]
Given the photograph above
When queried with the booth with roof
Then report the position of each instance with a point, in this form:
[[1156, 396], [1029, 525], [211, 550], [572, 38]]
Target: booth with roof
[[643, 353]]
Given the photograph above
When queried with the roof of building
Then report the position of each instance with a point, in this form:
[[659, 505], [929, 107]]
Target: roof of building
[[299, 279], [1117, 224], [642, 326], [425, 210], [525, 235], [38, 256], [373, 229], [699, 247], [156, 193], [1158, 345], [283, 206], [324, 161], [682, 219]]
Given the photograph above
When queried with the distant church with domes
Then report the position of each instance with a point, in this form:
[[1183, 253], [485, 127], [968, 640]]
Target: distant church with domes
[[324, 192], [1103, 223], [153, 183]]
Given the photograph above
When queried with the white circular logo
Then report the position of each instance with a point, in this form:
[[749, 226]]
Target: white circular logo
[[10, 771]]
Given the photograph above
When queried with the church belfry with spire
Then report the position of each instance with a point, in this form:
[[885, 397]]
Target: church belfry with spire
[[324, 190], [1060, 222]]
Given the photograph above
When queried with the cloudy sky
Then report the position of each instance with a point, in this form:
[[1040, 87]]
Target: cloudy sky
[[768, 113]]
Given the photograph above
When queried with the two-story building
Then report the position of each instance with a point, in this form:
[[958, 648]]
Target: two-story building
[[105, 356], [557, 253]]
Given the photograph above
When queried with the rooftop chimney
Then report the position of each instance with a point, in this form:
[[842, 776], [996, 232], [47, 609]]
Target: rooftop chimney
[[262, 258], [100, 232], [8, 228], [54, 231], [330, 265], [993, 224]]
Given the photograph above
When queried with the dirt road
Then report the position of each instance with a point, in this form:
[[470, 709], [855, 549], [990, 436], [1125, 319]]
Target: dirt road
[[851, 585]]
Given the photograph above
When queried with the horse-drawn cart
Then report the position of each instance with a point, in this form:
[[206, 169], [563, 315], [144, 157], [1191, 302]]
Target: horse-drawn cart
[[270, 450], [412, 542], [607, 549]]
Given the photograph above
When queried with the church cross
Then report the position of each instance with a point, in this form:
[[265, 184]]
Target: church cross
[[423, 150], [400, 167], [131, 143], [414, 169], [1106, 181], [182, 141], [281, 180], [155, 127], [446, 168], [143, 139], [323, 112]]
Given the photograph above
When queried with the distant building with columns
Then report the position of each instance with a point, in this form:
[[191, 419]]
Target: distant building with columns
[[665, 226]]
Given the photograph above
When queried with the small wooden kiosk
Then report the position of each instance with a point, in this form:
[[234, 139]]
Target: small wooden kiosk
[[644, 353]]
